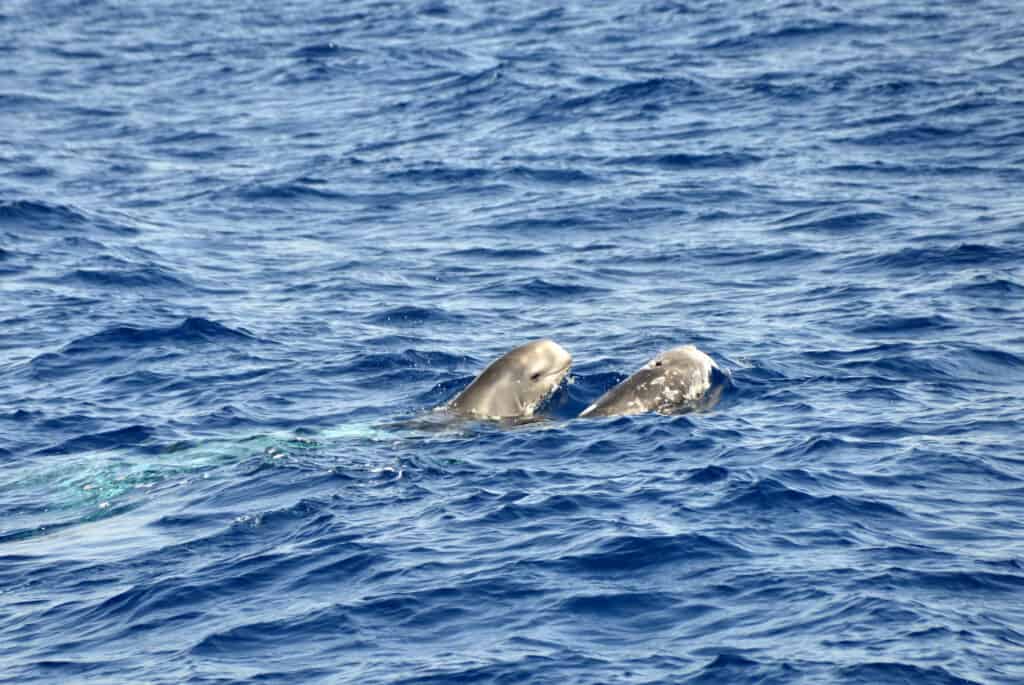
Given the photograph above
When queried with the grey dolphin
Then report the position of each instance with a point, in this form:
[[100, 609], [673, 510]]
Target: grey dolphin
[[515, 384], [675, 381]]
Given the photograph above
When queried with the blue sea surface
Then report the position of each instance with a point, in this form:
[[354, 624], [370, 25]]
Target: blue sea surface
[[246, 247]]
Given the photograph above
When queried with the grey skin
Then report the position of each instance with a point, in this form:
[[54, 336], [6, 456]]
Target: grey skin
[[676, 381], [515, 384]]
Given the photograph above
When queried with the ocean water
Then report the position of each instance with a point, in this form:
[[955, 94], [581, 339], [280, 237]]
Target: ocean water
[[245, 245]]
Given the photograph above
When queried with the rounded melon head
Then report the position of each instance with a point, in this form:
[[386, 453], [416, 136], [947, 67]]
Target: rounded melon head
[[513, 385]]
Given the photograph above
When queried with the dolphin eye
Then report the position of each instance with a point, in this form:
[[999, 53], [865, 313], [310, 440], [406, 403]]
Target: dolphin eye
[[657, 363], [535, 377]]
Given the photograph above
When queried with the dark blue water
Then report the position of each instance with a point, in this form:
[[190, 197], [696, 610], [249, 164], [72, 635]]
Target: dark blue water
[[242, 244]]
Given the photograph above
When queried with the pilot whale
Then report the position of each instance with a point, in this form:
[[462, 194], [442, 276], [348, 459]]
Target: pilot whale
[[515, 384], [675, 381]]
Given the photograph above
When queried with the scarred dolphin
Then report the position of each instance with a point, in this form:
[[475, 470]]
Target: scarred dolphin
[[676, 381]]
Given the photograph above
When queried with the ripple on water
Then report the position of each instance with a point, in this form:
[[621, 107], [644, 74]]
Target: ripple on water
[[227, 314]]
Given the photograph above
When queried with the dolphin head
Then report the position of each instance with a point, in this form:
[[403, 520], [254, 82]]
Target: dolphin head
[[679, 359], [670, 383], [515, 384]]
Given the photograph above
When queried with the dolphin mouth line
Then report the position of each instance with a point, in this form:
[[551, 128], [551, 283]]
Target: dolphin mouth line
[[558, 371]]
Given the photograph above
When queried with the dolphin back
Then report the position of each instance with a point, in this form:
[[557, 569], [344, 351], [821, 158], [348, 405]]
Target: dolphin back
[[677, 381]]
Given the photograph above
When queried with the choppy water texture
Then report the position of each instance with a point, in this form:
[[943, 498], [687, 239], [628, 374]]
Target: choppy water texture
[[244, 243]]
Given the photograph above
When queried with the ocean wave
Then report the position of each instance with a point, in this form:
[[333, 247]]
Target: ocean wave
[[408, 359], [632, 554], [902, 325], [554, 176], [770, 495], [141, 277], [638, 94], [987, 286], [613, 606], [14, 102], [497, 254], [540, 288], [191, 331], [32, 215], [386, 198], [131, 436], [324, 50], [285, 191], [882, 673], [412, 316], [916, 134], [683, 161], [961, 582], [119, 342], [842, 222], [945, 257], [441, 173], [794, 32]]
